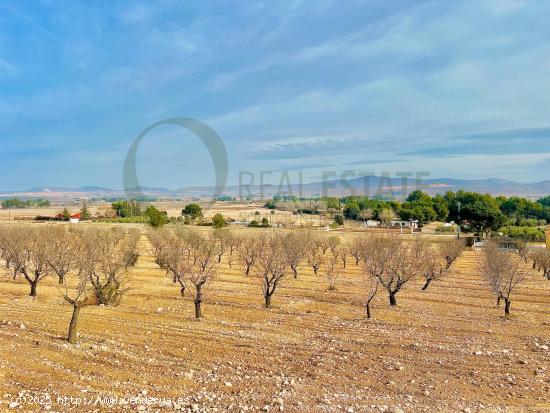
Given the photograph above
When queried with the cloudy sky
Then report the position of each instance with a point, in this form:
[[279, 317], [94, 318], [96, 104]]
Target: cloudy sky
[[454, 88]]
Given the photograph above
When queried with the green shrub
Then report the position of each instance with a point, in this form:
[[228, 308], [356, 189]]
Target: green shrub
[[218, 221], [442, 228], [525, 233]]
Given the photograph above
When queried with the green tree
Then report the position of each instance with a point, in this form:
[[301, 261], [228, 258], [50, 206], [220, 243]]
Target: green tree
[[419, 196], [193, 211], [332, 202], [544, 201], [218, 221], [156, 217], [66, 214], [440, 207], [84, 212], [125, 208]]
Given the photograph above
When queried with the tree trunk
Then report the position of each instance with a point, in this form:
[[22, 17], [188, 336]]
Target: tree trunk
[[33, 288], [198, 313], [72, 336], [507, 304], [198, 301], [247, 269], [315, 270], [428, 281], [498, 300], [393, 301], [295, 271], [61, 279], [368, 310], [356, 261], [267, 300]]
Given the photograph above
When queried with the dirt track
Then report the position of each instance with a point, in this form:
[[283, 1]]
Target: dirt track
[[447, 349]]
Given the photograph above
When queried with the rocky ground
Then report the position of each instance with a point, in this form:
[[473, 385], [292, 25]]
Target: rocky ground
[[447, 349]]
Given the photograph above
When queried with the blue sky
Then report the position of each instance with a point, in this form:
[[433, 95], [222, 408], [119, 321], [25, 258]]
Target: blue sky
[[454, 88]]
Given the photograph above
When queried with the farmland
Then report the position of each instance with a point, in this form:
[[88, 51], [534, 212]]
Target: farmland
[[448, 347]]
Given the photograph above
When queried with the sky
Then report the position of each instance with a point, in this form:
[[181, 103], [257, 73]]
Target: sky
[[456, 89]]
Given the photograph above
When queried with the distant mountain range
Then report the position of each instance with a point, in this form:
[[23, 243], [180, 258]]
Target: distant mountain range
[[369, 185]]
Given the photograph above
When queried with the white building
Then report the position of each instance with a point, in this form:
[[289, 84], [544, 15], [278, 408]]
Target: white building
[[371, 223], [413, 223]]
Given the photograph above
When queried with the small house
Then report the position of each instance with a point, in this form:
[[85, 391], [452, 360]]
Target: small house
[[371, 223], [412, 223], [75, 218]]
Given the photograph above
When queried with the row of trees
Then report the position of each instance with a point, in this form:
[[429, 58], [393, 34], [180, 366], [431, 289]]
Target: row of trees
[[132, 209], [89, 263], [474, 211], [27, 203], [388, 262]]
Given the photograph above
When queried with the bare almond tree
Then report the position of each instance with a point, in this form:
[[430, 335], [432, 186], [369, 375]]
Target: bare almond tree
[[272, 265], [451, 250], [233, 243], [33, 263], [172, 254], [203, 266], [356, 249], [331, 269], [129, 248], [333, 243], [296, 244], [61, 254], [393, 260], [343, 254], [76, 288], [158, 241], [249, 250], [503, 270], [314, 256], [371, 285], [523, 249], [190, 258], [434, 267], [112, 252], [541, 262], [13, 239], [323, 243], [440, 259], [222, 236]]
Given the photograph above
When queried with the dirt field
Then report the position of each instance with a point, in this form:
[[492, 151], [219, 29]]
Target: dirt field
[[239, 211], [444, 350]]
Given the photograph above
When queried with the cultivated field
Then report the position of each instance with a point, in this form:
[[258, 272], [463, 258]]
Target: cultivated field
[[447, 349]]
